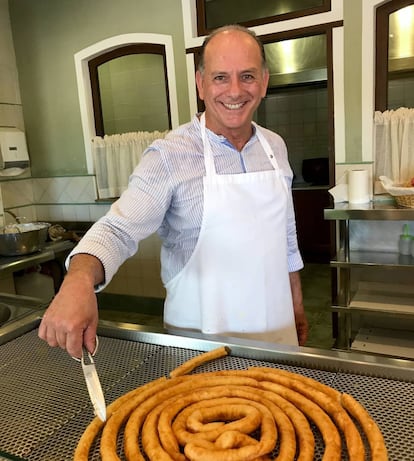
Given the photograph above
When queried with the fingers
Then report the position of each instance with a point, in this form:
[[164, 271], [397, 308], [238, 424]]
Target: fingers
[[90, 340], [43, 334], [302, 336], [70, 340], [68, 332], [71, 320], [74, 343], [302, 328]]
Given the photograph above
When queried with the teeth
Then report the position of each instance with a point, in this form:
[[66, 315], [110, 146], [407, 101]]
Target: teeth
[[234, 106]]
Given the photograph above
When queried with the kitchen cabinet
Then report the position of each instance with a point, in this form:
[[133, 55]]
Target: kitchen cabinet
[[373, 303]]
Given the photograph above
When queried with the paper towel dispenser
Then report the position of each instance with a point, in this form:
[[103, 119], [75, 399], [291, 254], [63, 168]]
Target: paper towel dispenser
[[13, 149]]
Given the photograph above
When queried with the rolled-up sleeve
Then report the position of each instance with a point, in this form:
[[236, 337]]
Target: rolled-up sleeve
[[137, 214]]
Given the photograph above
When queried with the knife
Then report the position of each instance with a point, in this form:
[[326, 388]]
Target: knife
[[92, 382]]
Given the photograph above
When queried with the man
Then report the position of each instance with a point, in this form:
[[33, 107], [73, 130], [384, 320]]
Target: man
[[217, 190]]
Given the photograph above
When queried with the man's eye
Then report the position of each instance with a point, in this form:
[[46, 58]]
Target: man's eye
[[248, 77], [219, 78]]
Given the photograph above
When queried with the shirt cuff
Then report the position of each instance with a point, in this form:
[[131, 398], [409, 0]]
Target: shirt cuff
[[295, 262]]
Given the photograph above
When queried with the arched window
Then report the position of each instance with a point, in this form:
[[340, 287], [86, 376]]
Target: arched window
[[130, 90], [118, 45], [394, 85]]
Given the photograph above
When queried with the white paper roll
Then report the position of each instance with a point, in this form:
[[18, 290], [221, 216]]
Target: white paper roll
[[358, 186]]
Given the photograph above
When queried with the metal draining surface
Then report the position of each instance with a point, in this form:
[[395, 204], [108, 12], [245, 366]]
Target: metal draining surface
[[44, 406]]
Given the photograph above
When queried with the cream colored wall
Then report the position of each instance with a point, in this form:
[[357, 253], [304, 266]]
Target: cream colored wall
[[353, 79]]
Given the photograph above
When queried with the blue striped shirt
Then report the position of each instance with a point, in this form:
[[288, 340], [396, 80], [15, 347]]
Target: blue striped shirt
[[165, 195]]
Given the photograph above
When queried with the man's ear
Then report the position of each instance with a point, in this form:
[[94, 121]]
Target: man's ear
[[199, 82]]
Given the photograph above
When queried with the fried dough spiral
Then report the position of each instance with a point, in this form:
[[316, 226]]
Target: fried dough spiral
[[258, 414]]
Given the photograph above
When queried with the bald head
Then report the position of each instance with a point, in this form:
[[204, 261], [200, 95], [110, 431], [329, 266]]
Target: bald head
[[225, 30]]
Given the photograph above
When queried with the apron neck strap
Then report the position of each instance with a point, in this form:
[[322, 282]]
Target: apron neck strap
[[208, 154], [266, 146]]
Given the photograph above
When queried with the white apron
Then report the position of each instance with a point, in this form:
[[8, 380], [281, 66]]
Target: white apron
[[236, 282]]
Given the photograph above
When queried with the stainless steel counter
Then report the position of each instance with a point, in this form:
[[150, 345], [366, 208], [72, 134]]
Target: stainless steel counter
[[369, 211], [15, 307], [12, 306], [50, 251], [45, 406]]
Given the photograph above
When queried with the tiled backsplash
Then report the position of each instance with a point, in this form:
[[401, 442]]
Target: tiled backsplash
[[73, 189], [17, 193], [53, 199]]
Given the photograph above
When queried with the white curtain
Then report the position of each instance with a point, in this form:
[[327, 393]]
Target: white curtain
[[116, 156], [394, 144]]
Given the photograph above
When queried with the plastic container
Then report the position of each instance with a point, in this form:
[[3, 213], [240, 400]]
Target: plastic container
[[405, 242]]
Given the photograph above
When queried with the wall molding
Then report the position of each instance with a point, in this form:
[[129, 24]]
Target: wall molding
[[84, 84]]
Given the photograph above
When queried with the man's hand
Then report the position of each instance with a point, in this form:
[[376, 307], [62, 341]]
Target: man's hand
[[301, 321], [302, 328], [71, 319]]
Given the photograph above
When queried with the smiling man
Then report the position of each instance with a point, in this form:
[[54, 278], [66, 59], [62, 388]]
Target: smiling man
[[217, 190], [232, 80]]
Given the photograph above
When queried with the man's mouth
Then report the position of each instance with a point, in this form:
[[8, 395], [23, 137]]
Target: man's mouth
[[234, 106]]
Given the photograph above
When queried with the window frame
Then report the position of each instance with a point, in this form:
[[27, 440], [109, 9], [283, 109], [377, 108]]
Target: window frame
[[127, 50], [202, 28], [382, 14], [82, 58]]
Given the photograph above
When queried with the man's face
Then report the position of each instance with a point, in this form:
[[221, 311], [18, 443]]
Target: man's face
[[232, 84]]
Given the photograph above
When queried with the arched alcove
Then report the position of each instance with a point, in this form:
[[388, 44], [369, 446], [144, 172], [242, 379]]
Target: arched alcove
[[82, 59]]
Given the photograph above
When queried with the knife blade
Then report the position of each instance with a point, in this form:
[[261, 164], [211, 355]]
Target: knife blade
[[93, 383]]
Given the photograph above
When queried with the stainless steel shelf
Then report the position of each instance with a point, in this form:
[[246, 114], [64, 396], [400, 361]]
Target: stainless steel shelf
[[377, 302], [384, 342], [395, 312], [370, 211], [12, 264], [373, 258]]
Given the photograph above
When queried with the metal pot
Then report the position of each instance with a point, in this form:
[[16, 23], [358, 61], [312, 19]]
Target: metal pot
[[22, 239]]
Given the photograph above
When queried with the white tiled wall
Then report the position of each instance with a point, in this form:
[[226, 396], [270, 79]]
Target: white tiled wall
[[53, 199], [17, 193], [300, 116], [74, 189]]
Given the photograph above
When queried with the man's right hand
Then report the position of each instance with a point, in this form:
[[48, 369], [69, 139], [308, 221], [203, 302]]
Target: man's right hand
[[71, 319]]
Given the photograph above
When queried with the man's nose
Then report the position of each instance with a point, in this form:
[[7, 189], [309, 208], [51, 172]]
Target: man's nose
[[235, 87]]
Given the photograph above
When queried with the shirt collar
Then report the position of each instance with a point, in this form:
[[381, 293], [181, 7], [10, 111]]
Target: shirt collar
[[219, 138]]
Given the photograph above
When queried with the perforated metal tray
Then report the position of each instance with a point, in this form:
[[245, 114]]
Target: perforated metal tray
[[44, 405]]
